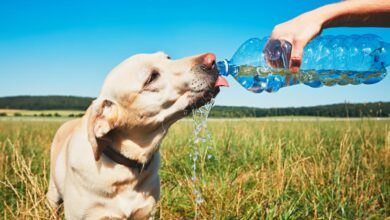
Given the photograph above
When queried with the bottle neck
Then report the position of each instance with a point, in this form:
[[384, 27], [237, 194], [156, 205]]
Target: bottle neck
[[223, 67]]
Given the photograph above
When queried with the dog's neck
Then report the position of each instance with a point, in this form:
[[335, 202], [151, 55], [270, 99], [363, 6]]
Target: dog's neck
[[120, 159], [136, 147]]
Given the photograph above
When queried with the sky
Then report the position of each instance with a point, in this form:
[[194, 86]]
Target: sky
[[68, 47]]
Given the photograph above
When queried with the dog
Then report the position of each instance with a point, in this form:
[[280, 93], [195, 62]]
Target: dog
[[105, 164]]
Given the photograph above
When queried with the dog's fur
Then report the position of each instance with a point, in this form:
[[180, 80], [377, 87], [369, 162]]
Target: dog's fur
[[140, 99]]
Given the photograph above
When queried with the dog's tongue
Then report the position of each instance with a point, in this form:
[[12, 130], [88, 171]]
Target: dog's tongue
[[221, 82]]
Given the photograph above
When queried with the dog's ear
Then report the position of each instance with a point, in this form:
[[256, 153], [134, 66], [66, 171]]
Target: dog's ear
[[102, 119]]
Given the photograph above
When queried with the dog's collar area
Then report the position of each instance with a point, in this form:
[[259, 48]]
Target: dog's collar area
[[119, 158]]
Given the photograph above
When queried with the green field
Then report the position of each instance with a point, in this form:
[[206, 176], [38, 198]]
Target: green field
[[312, 169]]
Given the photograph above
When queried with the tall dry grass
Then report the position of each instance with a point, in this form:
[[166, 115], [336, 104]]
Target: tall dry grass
[[24, 168], [259, 170]]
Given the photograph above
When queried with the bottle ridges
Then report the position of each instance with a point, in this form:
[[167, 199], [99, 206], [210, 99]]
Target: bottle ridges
[[327, 61]]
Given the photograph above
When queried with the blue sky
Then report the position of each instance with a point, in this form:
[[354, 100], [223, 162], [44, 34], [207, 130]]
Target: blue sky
[[68, 47]]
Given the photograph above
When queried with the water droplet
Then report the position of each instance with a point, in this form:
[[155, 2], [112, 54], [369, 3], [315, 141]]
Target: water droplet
[[199, 200]]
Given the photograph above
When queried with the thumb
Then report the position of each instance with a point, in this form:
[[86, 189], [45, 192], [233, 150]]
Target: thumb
[[296, 56]]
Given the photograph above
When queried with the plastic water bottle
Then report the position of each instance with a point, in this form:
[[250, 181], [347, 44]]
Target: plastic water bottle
[[327, 60]]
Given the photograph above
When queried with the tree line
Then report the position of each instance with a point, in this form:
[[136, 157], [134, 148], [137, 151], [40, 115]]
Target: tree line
[[45, 102], [374, 109]]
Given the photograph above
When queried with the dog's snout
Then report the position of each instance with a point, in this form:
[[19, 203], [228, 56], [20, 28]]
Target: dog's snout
[[208, 60]]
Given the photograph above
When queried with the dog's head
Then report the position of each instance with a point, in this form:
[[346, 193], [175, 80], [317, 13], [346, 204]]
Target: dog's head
[[144, 95]]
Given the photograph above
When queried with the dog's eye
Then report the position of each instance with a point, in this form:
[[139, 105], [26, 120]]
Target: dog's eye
[[153, 76], [169, 58]]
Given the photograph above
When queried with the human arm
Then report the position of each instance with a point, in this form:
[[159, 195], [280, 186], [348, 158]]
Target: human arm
[[354, 13]]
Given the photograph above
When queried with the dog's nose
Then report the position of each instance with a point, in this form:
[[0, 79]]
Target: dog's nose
[[208, 60]]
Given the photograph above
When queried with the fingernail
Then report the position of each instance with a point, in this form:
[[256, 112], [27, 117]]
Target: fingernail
[[294, 69]]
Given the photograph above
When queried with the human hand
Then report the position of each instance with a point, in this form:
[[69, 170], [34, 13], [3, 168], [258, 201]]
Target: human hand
[[298, 32]]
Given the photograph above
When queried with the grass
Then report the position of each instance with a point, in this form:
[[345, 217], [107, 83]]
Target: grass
[[259, 170]]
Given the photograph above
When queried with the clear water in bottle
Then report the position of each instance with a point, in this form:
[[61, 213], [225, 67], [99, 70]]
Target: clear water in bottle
[[327, 60]]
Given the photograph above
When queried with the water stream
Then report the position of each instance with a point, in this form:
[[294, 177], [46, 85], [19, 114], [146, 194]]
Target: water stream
[[201, 146]]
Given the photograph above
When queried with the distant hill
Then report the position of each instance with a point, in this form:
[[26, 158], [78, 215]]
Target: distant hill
[[374, 109], [45, 102]]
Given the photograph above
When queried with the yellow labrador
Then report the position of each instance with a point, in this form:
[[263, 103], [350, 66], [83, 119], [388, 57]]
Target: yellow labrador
[[105, 165]]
